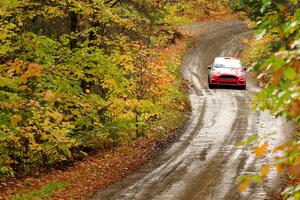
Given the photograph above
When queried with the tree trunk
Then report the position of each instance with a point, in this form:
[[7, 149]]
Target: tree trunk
[[73, 28]]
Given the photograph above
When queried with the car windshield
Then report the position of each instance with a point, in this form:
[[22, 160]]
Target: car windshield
[[234, 65]]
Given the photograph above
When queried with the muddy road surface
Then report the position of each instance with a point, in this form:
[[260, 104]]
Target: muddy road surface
[[205, 163]]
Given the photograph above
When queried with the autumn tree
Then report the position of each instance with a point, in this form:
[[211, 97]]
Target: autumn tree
[[276, 61], [77, 76]]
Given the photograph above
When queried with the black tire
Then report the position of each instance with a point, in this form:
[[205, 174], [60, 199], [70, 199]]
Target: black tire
[[243, 87], [210, 86]]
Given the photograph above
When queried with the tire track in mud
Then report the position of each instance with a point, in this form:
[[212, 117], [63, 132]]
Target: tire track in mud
[[161, 171], [213, 171], [205, 163]]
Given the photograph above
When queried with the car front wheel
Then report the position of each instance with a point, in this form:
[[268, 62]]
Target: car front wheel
[[243, 87], [210, 86]]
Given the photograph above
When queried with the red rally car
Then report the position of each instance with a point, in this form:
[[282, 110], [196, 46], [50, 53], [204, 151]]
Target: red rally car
[[227, 71]]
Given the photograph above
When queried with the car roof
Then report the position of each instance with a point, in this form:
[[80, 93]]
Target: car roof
[[227, 60]]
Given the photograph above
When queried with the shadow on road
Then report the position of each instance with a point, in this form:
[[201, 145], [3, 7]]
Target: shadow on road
[[226, 87]]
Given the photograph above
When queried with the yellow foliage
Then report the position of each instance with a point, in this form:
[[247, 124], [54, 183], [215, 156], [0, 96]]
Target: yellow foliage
[[49, 96], [15, 119], [56, 116], [96, 92], [244, 185], [265, 170]]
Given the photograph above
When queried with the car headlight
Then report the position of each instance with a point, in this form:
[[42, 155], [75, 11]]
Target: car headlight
[[214, 73], [242, 74]]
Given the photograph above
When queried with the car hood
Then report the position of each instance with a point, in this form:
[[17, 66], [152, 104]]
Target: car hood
[[228, 71]]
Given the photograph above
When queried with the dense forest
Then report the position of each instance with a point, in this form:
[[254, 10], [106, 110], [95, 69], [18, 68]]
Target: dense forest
[[78, 76], [274, 57]]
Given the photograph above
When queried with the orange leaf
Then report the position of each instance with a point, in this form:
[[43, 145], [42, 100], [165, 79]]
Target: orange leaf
[[265, 170], [25, 76], [244, 185], [297, 160], [280, 168], [260, 150], [276, 77], [284, 147], [34, 70], [294, 108], [295, 170]]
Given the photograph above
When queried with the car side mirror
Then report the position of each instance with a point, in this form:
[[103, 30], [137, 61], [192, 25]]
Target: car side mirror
[[209, 67]]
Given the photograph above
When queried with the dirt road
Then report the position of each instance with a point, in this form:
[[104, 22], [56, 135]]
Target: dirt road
[[205, 163]]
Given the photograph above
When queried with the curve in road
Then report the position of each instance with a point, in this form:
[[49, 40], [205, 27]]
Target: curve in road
[[205, 163]]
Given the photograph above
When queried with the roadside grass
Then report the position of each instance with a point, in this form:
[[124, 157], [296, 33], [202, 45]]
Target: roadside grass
[[45, 192]]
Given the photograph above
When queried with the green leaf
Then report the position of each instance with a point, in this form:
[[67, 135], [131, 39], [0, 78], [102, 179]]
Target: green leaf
[[290, 74], [248, 141]]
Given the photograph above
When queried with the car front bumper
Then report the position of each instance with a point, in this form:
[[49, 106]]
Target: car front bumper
[[218, 80]]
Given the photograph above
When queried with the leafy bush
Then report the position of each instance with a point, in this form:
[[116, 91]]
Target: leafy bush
[[251, 7], [276, 61]]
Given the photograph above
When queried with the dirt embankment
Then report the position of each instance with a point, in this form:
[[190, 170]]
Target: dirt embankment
[[96, 172]]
